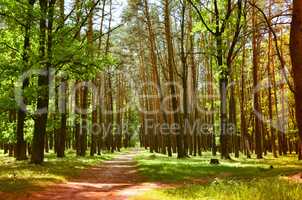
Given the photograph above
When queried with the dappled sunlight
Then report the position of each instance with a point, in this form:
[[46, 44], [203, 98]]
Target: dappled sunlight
[[151, 99], [114, 179], [138, 189], [196, 179], [17, 176], [172, 169]]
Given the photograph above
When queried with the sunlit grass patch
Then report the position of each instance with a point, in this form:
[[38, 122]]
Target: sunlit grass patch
[[256, 189], [231, 180], [161, 168]]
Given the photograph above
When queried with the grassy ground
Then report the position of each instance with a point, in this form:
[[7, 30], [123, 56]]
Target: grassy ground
[[231, 180], [20, 176]]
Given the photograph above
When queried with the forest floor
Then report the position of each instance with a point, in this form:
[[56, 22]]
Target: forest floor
[[237, 179], [139, 175], [113, 179]]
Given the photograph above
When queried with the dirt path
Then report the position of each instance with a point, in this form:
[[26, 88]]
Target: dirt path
[[117, 179]]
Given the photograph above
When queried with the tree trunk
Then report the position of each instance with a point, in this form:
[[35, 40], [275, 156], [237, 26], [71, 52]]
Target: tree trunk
[[270, 100], [296, 56], [258, 137], [21, 144], [184, 81], [223, 82], [43, 81], [179, 134], [61, 136]]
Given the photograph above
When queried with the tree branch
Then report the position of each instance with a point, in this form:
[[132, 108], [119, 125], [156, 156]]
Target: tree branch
[[201, 17], [281, 59]]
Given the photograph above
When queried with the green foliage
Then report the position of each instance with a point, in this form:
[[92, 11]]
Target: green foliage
[[28, 130], [70, 58], [7, 130]]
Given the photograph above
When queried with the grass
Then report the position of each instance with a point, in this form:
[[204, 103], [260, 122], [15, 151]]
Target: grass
[[249, 179], [19, 176], [266, 189]]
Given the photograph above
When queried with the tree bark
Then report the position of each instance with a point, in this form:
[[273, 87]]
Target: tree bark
[[47, 15], [258, 135], [296, 56], [21, 144], [61, 136], [179, 134]]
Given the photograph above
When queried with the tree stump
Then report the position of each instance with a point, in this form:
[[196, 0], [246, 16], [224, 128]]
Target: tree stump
[[214, 162]]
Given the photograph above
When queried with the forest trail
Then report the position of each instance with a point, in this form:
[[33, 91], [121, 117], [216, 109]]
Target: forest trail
[[117, 179]]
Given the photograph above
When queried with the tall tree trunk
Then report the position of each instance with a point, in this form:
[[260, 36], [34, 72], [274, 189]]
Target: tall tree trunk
[[155, 74], [107, 48], [223, 82], [171, 63], [94, 96], [269, 74], [233, 117], [258, 137], [243, 128], [192, 81], [296, 56], [21, 144], [100, 114], [184, 80], [109, 94], [61, 136], [283, 109], [47, 14], [78, 98], [102, 25], [224, 137], [84, 121], [94, 130], [101, 83], [77, 118]]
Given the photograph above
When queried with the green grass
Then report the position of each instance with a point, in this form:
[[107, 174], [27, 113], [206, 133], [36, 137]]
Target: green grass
[[18, 176], [237, 179], [256, 189]]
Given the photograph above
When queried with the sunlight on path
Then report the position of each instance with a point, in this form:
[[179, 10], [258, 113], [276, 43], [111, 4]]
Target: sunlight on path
[[117, 179]]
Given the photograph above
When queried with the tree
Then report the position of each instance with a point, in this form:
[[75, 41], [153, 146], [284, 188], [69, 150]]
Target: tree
[[171, 66], [21, 144], [296, 56], [256, 43], [61, 138], [218, 32], [47, 16]]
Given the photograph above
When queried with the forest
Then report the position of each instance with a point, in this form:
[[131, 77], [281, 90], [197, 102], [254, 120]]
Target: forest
[[151, 99]]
